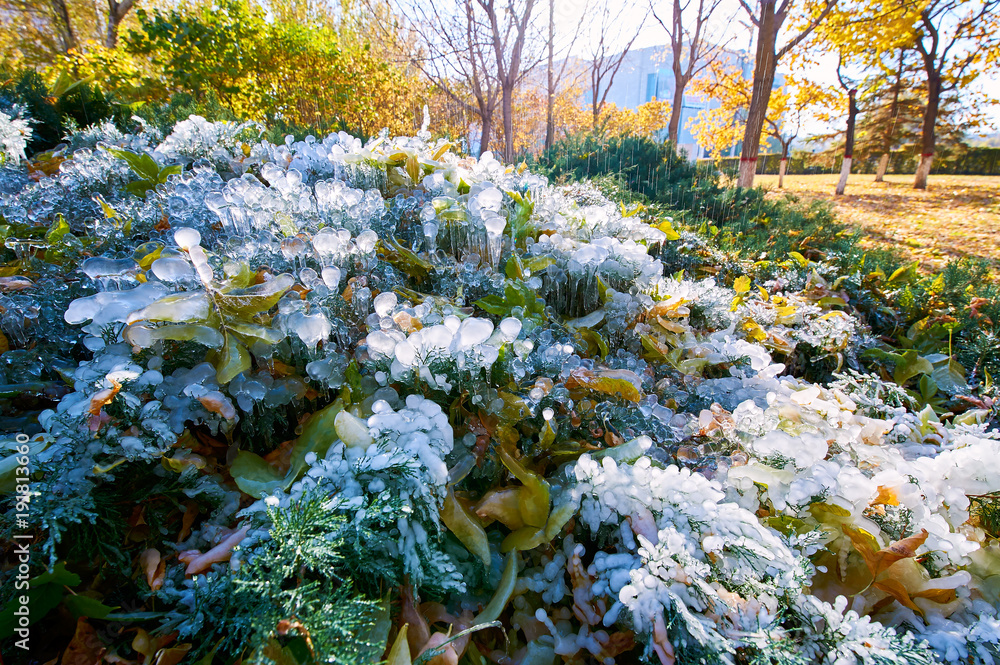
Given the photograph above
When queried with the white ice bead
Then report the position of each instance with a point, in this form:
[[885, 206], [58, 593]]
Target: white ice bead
[[406, 354], [474, 331], [384, 303], [510, 328], [186, 238]]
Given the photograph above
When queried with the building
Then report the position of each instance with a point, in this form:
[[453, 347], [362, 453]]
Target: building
[[646, 73]]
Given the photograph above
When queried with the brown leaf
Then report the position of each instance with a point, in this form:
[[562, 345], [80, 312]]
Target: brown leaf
[[154, 568], [172, 656], [897, 591], [197, 562], [85, 648], [15, 283], [187, 520]]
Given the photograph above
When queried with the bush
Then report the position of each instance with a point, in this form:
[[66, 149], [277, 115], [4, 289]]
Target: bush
[[319, 401], [82, 105]]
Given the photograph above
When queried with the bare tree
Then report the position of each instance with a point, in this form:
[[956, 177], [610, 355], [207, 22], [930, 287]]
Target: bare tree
[[954, 38], [555, 78], [453, 53], [692, 47], [508, 30], [476, 52], [777, 129], [605, 58], [768, 19]]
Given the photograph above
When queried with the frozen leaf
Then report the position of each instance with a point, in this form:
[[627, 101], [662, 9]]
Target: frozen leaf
[[880, 560], [255, 299], [231, 361], [144, 336], [621, 383], [176, 308], [508, 581]]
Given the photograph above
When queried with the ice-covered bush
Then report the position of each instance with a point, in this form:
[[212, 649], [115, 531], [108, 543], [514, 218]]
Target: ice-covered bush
[[328, 401]]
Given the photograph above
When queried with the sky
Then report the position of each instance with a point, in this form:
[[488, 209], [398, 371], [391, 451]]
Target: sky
[[732, 24]]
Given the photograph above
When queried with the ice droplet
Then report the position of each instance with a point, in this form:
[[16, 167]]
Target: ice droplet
[[474, 331], [186, 238], [510, 328], [331, 277], [384, 303], [172, 269]]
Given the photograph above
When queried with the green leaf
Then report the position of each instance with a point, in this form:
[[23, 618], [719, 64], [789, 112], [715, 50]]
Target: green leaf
[[948, 374], [493, 304], [231, 361], [254, 476], [45, 592], [85, 606], [910, 365]]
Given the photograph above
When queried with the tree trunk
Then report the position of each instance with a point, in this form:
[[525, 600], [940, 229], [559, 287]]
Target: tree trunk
[[117, 11], [763, 80], [893, 113], [676, 108], [508, 124], [928, 139], [486, 135], [783, 165], [65, 25], [550, 102], [845, 167], [883, 164]]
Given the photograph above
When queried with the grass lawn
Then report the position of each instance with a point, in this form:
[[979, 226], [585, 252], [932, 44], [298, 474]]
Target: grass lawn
[[957, 216]]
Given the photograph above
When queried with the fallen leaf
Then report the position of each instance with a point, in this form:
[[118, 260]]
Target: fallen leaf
[[879, 561], [198, 562], [154, 567], [85, 648], [897, 591]]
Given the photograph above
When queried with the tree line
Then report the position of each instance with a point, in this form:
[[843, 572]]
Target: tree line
[[517, 74]]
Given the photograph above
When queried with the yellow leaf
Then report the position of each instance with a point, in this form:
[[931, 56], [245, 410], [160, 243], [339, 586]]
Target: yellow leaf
[[400, 652], [742, 284], [879, 561]]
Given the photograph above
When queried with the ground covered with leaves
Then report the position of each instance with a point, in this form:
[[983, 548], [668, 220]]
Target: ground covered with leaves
[[955, 217], [342, 401]]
